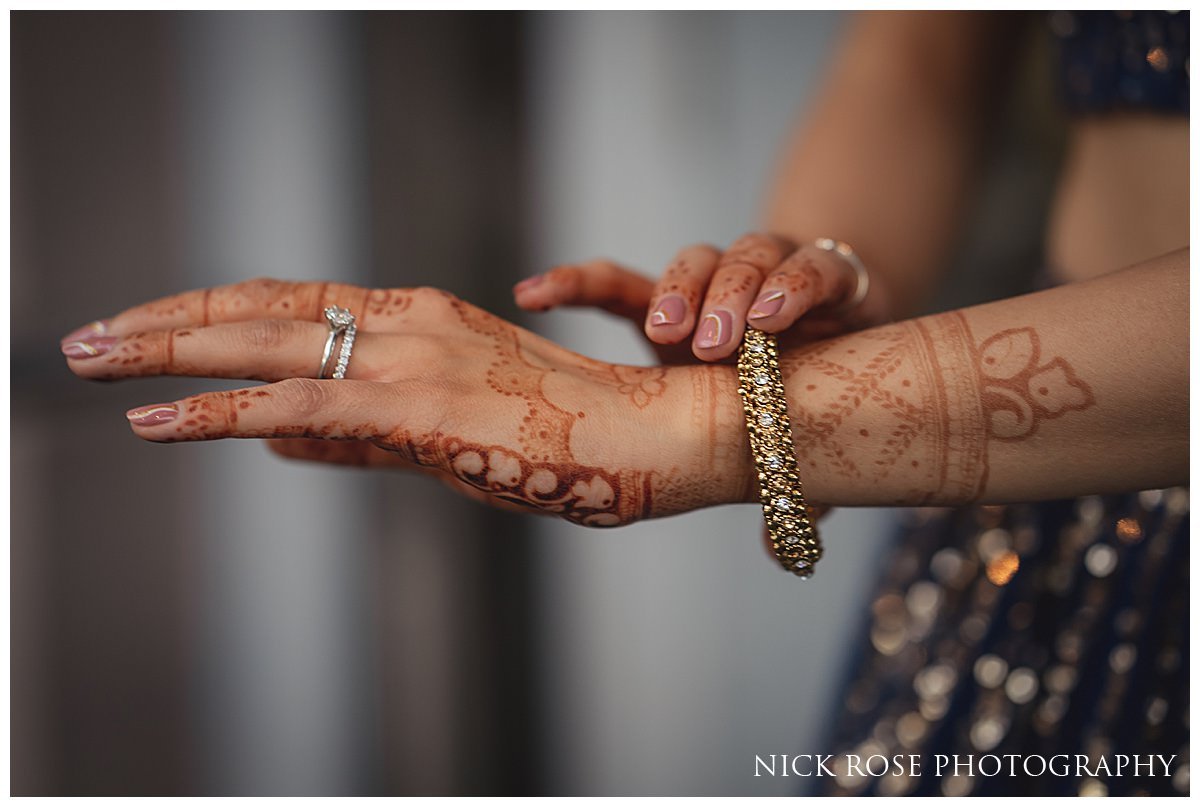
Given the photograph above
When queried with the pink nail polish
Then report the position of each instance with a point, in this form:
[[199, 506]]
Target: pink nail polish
[[766, 305], [529, 283], [153, 415], [87, 348], [715, 329], [669, 311], [97, 328]]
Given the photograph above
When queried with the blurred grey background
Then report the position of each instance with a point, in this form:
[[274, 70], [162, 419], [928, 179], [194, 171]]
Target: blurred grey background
[[210, 620]]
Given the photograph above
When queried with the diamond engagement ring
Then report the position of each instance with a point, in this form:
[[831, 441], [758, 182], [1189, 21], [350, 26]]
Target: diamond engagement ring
[[341, 323]]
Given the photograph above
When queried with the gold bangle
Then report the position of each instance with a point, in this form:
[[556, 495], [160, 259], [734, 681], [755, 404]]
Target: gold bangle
[[790, 524]]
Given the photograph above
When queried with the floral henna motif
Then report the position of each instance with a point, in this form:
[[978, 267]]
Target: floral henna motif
[[1019, 391], [387, 302], [641, 385], [584, 495]]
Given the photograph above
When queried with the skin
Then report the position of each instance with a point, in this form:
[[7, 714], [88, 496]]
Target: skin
[[927, 86], [1040, 396], [434, 384], [1081, 389]]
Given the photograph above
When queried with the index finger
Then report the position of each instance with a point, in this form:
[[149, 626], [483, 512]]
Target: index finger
[[262, 298]]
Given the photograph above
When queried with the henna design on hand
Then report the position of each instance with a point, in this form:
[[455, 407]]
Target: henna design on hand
[[545, 433], [584, 495], [387, 302], [641, 385], [545, 474]]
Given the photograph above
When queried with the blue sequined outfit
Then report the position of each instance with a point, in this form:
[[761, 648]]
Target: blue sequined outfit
[[1047, 628], [1036, 629], [1112, 60]]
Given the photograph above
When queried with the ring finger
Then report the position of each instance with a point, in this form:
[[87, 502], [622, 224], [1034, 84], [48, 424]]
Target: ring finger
[[262, 298], [266, 350]]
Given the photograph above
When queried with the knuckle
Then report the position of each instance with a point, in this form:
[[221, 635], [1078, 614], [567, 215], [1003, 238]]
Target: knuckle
[[751, 240], [428, 292], [303, 397], [567, 273], [815, 257], [268, 336], [426, 353], [261, 284], [603, 268], [700, 252], [431, 295], [759, 251], [788, 270]]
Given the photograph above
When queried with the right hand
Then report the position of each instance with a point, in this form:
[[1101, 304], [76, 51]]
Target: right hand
[[437, 385], [763, 281]]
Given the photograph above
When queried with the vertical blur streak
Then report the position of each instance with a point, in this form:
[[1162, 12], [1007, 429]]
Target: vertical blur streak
[[273, 188]]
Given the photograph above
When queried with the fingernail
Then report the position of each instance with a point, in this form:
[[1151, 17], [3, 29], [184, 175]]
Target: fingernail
[[87, 348], [97, 328], [153, 415], [529, 283], [715, 329], [669, 311], [768, 303]]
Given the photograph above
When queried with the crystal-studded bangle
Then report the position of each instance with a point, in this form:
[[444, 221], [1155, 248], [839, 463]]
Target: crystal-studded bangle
[[789, 522]]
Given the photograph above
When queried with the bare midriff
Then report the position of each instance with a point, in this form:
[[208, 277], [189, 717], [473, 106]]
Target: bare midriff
[[1123, 196]]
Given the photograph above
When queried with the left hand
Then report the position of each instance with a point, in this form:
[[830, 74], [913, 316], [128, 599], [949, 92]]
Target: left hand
[[762, 281], [436, 384]]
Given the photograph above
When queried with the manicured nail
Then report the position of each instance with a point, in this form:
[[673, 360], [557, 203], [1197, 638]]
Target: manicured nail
[[97, 328], [529, 283], [87, 348], [153, 415], [715, 329], [670, 311], [768, 303]]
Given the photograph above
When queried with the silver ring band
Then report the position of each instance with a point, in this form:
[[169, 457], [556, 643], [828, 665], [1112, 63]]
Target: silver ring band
[[341, 323], [344, 354], [328, 352], [862, 279]]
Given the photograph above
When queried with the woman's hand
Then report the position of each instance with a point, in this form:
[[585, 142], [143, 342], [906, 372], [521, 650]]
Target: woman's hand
[[433, 383], [761, 281]]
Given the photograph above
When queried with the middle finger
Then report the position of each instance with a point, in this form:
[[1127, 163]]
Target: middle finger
[[734, 285]]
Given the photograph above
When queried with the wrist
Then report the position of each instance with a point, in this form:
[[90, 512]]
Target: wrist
[[713, 436]]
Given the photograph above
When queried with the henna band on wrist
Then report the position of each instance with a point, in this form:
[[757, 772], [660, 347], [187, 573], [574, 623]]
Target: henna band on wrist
[[760, 383]]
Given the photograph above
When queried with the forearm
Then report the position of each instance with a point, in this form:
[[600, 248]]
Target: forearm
[[886, 156], [1077, 390]]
